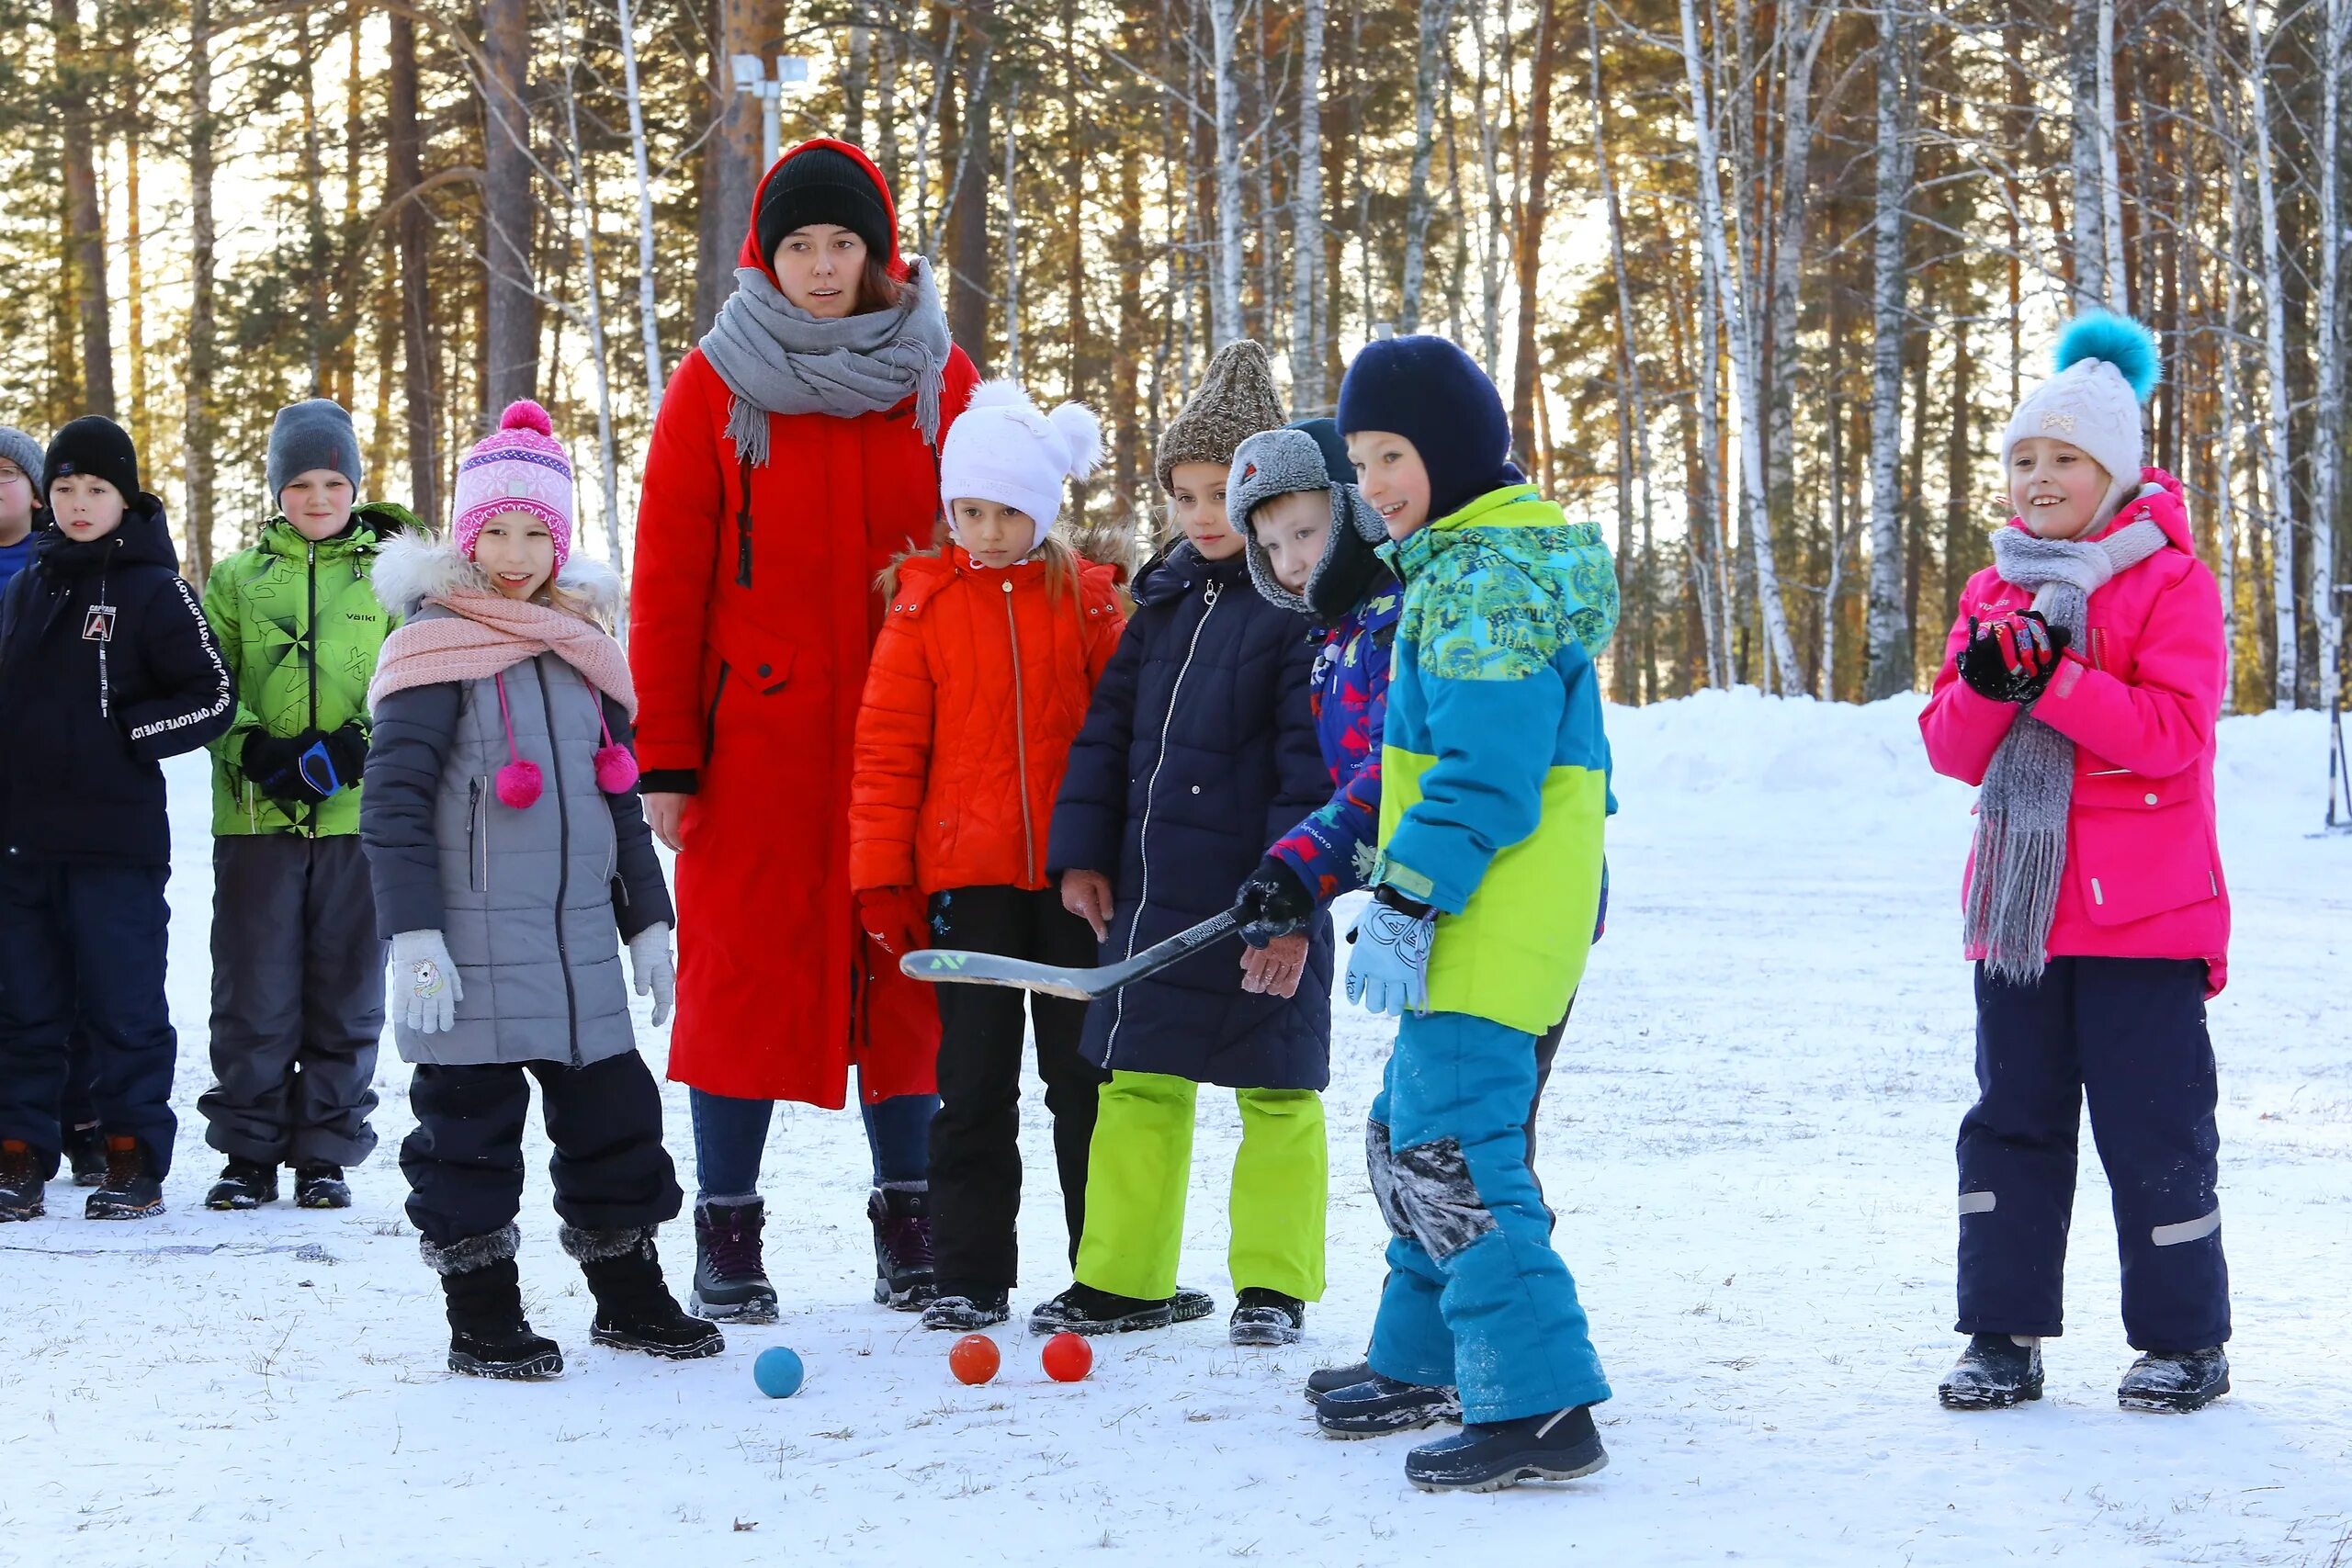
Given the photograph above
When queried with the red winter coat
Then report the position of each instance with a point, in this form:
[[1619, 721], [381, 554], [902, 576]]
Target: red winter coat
[[2142, 877], [749, 699], [981, 681]]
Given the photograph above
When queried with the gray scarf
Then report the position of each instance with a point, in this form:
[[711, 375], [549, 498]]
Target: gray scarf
[[2022, 809], [777, 359]]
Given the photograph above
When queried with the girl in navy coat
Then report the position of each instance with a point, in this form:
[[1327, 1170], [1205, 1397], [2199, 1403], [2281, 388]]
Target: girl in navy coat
[[1198, 752]]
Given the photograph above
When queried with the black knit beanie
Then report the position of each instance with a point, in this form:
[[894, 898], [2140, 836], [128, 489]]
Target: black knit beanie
[[822, 185], [96, 445], [1427, 390]]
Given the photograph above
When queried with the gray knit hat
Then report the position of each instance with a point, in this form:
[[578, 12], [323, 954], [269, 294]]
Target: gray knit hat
[[1235, 400], [28, 454], [312, 434], [1280, 462]]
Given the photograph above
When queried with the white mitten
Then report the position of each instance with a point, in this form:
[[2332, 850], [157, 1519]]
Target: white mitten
[[657, 975]]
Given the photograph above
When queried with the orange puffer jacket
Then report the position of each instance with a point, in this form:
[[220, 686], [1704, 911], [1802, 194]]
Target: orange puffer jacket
[[980, 681]]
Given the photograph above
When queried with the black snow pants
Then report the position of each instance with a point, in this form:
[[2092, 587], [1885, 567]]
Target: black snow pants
[[2129, 1035], [298, 1000], [464, 1161], [82, 951], [975, 1148]]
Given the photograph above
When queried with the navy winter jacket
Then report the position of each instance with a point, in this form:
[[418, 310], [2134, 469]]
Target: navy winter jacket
[[1198, 752], [107, 667]]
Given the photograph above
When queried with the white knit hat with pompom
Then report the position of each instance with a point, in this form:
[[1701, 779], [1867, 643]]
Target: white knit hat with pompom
[[1002, 450]]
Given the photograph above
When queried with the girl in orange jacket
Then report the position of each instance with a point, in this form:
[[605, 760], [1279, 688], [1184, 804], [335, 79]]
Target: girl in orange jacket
[[980, 679]]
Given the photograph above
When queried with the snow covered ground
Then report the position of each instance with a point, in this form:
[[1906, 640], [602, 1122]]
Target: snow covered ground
[[1749, 1138]]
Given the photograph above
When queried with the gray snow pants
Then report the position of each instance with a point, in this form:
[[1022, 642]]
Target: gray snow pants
[[298, 1000]]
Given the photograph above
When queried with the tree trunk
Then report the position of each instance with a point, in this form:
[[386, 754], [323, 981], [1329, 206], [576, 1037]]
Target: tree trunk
[[1491, 246], [2274, 301], [2225, 465], [510, 210], [1225, 277], [1890, 655], [197, 404], [853, 85], [2328, 350], [1802, 31], [135, 265], [2089, 248], [648, 320], [1307, 221], [1635, 411], [584, 216], [968, 222], [731, 157], [1959, 463], [316, 323], [402, 174], [2110, 182], [1436, 18], [1011, 237], [77, 91], [1126, 350], [1525, 370]]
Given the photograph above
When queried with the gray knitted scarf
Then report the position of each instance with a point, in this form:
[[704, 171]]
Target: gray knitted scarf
[[2022, 809], [777, 359]]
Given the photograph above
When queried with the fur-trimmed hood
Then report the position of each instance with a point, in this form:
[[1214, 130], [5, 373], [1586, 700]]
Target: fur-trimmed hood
[[410, 568]]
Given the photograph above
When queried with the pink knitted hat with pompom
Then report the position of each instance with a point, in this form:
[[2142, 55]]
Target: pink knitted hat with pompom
[[520, 468]]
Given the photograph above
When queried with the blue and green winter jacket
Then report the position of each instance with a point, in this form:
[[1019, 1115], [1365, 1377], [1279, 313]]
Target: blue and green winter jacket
[[1494, 764]]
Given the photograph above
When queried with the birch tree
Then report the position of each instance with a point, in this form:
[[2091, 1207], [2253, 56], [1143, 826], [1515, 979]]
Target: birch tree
[[648, 325], [1436, 26], [197, 400], [1225, 291], [2274, 304], [1892, 659], [2328, 350], [1307, 221]]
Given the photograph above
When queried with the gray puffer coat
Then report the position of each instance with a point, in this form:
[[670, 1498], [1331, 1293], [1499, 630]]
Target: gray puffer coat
[[533, 903]]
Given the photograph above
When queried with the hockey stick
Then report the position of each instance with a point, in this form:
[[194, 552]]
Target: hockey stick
[[947, 964]]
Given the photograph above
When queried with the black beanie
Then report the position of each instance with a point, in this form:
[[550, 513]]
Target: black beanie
[[1427, 390], [822, 185], [96, 445]]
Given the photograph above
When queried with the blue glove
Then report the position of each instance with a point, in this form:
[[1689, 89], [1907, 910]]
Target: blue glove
[[1389, 973]]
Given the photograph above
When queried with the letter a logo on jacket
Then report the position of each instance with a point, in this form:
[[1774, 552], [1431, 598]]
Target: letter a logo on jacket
[[97, 623]]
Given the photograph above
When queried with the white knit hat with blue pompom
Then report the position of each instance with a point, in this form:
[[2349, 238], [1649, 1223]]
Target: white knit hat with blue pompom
[[2107, 366]]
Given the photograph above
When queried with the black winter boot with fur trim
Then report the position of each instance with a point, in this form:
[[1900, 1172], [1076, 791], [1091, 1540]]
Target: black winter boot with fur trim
[[635, 1310], [489, 1335]]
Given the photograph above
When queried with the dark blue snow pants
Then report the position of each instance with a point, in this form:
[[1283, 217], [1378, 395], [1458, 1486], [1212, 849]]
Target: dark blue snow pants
[[85, 941], [2127, 1034]]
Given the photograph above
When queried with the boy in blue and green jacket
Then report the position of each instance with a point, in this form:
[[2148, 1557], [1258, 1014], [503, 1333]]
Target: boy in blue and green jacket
[[1495, 787]]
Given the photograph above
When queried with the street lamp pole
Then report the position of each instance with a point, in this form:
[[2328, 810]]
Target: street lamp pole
[[751, 76]]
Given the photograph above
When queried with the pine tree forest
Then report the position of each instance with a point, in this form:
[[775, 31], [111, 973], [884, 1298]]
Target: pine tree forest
[[1760, 279]]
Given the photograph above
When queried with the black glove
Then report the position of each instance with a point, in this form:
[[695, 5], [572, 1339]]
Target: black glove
[[347, 749], [285, 768], [1273, 903], [2012, 657]]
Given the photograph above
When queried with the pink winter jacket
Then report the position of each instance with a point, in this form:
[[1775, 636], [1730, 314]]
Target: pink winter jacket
[[2139, 699]]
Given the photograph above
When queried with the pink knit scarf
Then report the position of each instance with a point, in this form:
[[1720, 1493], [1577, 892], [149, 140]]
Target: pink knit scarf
[[489, 634]]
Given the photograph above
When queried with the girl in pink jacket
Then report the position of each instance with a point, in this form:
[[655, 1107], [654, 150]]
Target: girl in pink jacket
[[2079, 690]]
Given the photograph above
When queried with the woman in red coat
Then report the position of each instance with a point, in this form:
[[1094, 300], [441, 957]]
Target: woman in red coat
[[795, 456]]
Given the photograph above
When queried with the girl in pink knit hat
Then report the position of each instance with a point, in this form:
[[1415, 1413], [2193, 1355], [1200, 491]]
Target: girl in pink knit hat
[[512, 863]]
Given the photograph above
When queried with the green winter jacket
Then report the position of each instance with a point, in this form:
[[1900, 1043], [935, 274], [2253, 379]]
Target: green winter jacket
[[301, 627]]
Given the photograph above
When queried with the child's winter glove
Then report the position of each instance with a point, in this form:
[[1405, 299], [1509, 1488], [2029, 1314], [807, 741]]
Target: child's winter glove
[[1273, 903], [274, 764], [425, 988], [347, 749], [1389, 973], [2010, 659], [898, 918], [656, 974]]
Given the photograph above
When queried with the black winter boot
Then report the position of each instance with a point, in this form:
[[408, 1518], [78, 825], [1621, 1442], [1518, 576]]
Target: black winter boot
[[1994, 1373], [1267, 1317], [1487, 1456], [318, 1185], [635, 1311], [21, 1186], [967, 1309], [903, 1281], [1378, 1405], [483, 1292], [731, 1281], [2174, 1383], [1331, 1379], [1082, 1309], [85, 1151], [244, 1184], [131, 1189]]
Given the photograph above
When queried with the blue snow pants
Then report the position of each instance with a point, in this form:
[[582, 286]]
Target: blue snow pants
[[1475, 1296], [2129, 1035]]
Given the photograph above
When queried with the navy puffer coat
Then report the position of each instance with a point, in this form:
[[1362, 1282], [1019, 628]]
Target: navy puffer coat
[[1198, 752]]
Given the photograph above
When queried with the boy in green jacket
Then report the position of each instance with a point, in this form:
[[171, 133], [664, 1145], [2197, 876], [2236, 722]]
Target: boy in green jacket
[[297, 972]]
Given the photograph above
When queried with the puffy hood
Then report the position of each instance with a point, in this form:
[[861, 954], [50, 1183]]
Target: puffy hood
[[750, 255], [144, 540], [411, 569]]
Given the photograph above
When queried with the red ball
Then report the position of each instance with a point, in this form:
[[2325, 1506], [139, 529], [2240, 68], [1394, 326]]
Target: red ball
[[1068, 1358], [974, 1358]]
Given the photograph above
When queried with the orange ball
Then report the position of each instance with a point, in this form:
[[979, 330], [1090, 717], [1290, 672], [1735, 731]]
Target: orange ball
[[1068, 1358], [974, 1358]]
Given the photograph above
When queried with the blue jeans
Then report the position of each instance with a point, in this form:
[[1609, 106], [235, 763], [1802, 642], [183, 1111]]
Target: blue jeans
[[1475, 1296], [730, 1134]]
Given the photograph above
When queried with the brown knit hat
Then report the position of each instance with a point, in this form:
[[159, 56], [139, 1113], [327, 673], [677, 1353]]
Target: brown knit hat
[[1234, 402]]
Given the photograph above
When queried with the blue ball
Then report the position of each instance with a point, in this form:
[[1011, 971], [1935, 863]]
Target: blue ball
[[778, 1372]]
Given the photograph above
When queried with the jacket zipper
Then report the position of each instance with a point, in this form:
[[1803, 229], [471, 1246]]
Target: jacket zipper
[[477, 838], [563, 864], [310, 573], [1021, 742], [1143, 837]]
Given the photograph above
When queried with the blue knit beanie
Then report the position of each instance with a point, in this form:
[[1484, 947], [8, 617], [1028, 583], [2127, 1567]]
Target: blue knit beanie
[[1428, 391]]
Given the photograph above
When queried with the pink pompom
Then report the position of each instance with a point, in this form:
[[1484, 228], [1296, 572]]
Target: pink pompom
[[616, 770], [518, 785], [525, 414]]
